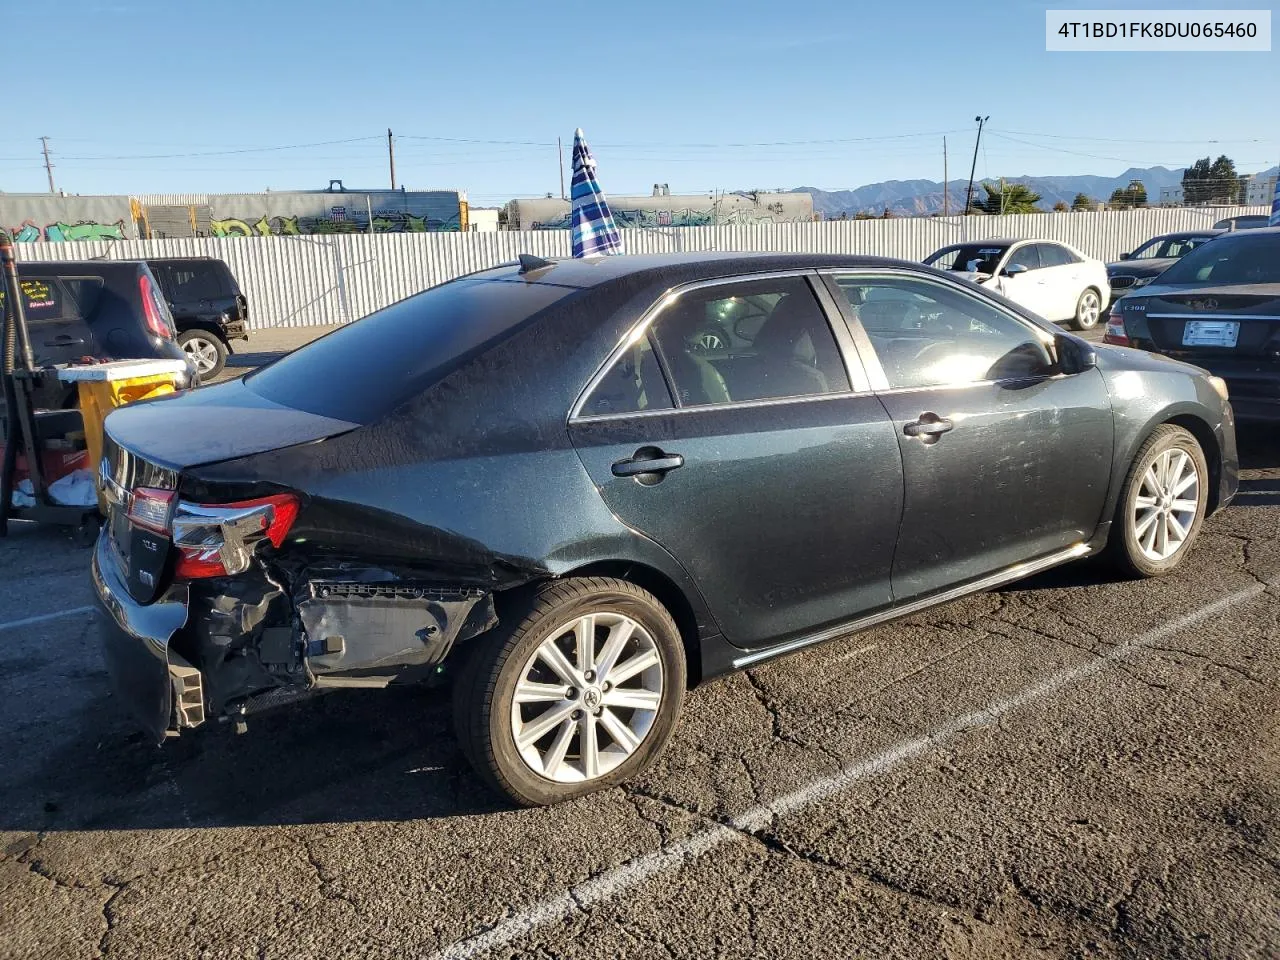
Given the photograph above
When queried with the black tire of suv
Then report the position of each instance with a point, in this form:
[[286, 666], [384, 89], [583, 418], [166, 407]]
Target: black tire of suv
[[1122, 550], [491, 669], [218, 345]]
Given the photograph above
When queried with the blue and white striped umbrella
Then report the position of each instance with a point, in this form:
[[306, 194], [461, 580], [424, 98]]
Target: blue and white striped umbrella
[[1275, 204], [594, 232]]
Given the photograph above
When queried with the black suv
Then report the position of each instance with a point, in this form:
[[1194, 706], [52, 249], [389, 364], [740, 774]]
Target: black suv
[[94, 308], [208, 308]]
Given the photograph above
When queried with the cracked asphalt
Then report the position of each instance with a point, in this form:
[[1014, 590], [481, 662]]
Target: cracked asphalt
[[1072, 767]]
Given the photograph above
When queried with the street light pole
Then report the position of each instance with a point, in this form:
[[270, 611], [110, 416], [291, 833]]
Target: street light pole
[[968, 199]]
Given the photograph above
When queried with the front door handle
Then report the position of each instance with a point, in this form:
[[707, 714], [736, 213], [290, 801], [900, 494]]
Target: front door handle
[[648, 465], [929, 428]]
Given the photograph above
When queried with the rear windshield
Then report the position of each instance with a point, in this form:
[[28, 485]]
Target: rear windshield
[[366, 369], [1241, 259]]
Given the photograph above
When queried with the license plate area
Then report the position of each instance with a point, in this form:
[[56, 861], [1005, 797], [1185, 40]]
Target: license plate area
[[1211, 333]]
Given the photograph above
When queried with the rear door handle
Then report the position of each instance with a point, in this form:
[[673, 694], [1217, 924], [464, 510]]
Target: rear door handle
[[929, 428], [648, 460], [63, 340]]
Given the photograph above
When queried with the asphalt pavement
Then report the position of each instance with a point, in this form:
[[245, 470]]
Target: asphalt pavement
[[1071, 767]]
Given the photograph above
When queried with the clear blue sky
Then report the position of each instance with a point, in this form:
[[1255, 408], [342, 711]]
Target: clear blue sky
[[674, 92]]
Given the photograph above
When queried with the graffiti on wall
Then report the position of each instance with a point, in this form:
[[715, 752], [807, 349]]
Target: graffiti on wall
[[338, 222], [30, 232], [688, 217]]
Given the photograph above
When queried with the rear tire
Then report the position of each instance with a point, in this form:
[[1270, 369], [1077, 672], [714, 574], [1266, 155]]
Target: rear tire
[[1162, 504], [1088, 310], [206, 350], [539, 750]]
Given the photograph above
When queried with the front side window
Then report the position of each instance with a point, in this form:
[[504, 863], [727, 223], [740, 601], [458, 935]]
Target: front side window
[[929, 335], [1028, 255], [749, 340]]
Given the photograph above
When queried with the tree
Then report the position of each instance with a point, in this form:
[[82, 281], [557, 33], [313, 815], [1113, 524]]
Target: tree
[[1134, 195], [1060, 207], [1013, 198], [1206, 183], [1082, 202]]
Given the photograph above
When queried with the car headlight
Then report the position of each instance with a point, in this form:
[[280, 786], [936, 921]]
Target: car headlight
[[1220, 386], [1142, 281]]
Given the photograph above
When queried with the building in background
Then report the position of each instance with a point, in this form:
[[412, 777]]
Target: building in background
[[1259, 189], [482, 219], [35, 217], [664, 209]]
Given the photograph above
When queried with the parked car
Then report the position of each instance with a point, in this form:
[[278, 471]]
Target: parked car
[[531, 478], [1153, 258], [208, 307], [1248, 221], [109, 310], [1051, 279], [1219, 308]]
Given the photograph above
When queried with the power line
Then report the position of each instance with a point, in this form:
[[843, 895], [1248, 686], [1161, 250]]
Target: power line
[[224, 153]]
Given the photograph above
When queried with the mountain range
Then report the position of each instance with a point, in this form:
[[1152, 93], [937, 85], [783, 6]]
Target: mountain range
[[917, 197]]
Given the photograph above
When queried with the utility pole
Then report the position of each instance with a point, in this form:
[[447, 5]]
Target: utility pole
[[946, 202], [560, 153], [48, 167], [968, 198], [391, 157], [1002, 196]]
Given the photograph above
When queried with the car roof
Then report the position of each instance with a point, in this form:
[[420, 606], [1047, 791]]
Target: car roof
[[73, 268], [1252, 232], [684, 267], [1186, 234]]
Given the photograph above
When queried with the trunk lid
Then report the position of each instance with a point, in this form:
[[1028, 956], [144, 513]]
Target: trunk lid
[[1240, 320], [150, 444]]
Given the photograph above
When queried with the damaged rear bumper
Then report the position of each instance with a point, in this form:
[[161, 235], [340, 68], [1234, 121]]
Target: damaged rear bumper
[[232, 647], [153, 682]]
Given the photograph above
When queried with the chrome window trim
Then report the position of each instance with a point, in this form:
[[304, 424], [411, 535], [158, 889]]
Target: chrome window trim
[[641, 329], [732, 405], [861, 335]]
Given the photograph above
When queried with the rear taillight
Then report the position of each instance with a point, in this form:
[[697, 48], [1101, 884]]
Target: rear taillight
[[1115, 333], [153, 311], [149, 508], [218, 540]]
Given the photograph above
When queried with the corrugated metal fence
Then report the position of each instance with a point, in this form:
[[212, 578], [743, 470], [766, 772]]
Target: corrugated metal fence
[[313, 280]]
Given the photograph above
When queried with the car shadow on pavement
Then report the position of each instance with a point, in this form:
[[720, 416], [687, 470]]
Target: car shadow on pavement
[[345, 757]]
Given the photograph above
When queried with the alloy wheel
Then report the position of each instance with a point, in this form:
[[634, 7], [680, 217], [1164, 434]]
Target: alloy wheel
[[1090, 309], [1166, 504], [202, 352], [587, 698]]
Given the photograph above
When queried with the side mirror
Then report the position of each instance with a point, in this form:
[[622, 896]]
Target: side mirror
[[1125, 256], [1014, 269], [1074, 356]]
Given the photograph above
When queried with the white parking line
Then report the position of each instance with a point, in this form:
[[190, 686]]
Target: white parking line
[[611, 883], [27, 621]]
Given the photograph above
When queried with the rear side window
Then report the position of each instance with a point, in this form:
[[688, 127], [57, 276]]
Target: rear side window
[[366, 369], [42, 297], [184, 283], [82, 296]]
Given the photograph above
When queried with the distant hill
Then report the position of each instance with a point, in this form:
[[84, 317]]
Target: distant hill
[[917, 197]]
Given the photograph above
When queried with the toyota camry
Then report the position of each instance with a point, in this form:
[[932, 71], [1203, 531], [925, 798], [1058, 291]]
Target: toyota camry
[[575, 489]]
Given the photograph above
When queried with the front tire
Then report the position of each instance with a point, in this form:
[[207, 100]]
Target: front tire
[[205, 350], [1162, 504], [1088, 310], [578, 691]]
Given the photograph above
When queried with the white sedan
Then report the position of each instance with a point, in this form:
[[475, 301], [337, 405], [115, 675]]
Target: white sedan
[[1049, 278]]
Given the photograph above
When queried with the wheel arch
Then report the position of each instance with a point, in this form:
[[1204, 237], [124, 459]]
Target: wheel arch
[[204, 326], [668, 593], [1208, 440]]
